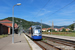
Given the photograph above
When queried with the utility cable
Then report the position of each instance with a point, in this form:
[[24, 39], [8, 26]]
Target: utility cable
[[42, 8], [62, 8]]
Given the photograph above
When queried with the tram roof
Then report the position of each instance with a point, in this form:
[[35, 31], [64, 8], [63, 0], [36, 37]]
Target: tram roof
[[36, 26]]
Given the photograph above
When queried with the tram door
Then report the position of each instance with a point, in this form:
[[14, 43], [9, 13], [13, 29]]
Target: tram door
[[31, 31]]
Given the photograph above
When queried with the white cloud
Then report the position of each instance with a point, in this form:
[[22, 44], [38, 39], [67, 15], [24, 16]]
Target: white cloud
[[41, 13], [68, 11], [59, 19], [63, 23], [59, 22]]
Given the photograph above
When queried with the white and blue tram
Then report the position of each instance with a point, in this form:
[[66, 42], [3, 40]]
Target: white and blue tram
[[36, 32]]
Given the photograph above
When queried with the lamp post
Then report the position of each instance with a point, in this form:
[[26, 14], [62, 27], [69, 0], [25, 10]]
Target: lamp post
[[51, 29], [74, 25], [13, 21], [41, 25]]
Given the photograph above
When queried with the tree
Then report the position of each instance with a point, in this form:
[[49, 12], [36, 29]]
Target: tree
[[63, 30], [71, 26], [51, 30]]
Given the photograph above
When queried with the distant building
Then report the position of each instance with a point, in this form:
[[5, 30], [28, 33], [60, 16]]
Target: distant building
[[44, 29], [61, 28], [56, 29], [67, 29], [48, 28], [6, 27]]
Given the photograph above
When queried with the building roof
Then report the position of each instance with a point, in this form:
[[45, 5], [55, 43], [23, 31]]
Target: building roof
[[44, 28], [48, 28], [5, 21], [61, 28], [8, 23]]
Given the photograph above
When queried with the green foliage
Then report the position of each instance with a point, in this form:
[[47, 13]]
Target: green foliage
[[21, 22], [44, 39], [63, 30], [71, 26], [3, 35], [70, 31], [51, 30], [26, 24], [72, 34]]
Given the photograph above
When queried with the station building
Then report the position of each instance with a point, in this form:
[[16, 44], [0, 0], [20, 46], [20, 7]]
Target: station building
[[6, 27]]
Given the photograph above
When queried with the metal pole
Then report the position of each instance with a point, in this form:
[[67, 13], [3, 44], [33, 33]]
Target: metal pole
[[13, 25], [41, 25], [13, 22], [74, 25], [20, 27], [51, 30]]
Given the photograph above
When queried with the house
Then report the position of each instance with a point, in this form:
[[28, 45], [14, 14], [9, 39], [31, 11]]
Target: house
[[6, 27], [56, 29], [48, 28], [67, 29], [44, 29], [61, 28]]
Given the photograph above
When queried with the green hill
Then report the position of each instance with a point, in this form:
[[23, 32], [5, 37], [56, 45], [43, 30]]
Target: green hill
[[26, 24], [71, 26], [21, 22]]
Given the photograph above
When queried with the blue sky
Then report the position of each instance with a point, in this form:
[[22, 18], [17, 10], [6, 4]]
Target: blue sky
[[29, 9]]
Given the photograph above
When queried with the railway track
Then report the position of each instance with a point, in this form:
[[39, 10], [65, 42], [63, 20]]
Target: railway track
[[49, 44], [46, 46], [60, 41]]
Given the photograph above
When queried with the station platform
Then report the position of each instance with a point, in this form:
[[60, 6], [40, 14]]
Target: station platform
[[20, 43], [60, 37]]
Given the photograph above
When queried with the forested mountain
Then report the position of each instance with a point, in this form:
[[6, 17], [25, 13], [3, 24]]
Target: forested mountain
[[60, 26], [43, 25], [26, 24], [71, 26]]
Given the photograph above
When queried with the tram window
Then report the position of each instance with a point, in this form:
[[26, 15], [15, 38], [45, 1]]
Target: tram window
[[38, 27]]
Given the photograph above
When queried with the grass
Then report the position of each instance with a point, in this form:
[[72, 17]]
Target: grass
[[43, 39], [71, 34], [61, 33], [3, 35]]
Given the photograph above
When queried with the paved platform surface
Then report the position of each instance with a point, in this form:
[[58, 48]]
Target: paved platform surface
[[60, 37], [20, 43]]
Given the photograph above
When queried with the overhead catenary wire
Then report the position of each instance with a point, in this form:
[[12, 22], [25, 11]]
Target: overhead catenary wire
[[42, 8], [61, 8]]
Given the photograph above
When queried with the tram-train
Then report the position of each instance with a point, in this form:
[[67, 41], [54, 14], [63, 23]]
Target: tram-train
[[36, 32]]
